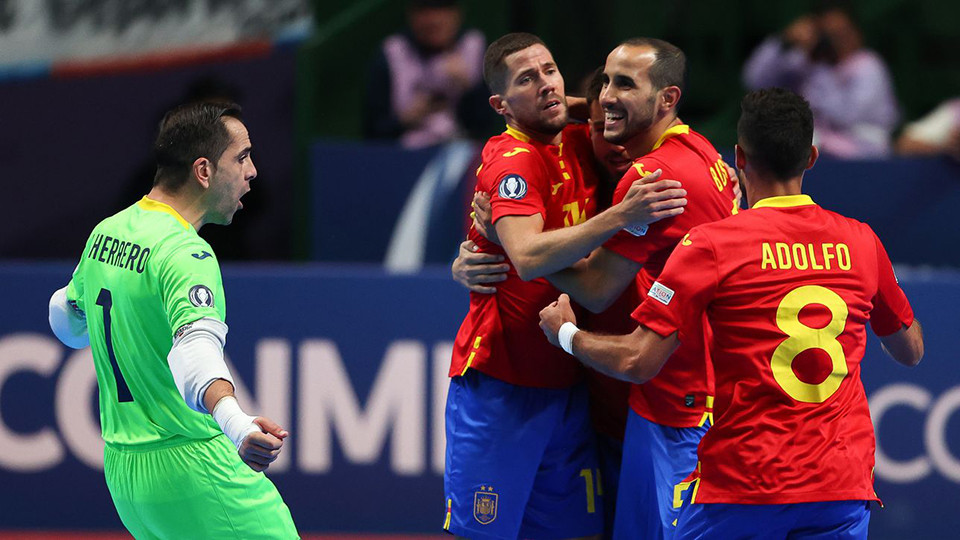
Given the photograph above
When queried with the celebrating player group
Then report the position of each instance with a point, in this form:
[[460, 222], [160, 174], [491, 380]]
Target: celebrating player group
[[746, 414], [641, 357]]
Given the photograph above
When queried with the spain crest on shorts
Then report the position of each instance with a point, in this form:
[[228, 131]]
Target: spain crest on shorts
[[485, 505]]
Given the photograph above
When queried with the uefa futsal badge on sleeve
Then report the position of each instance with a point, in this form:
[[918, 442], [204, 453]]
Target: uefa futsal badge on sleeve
[[485, 505], [513, 186], [637, 230], [201, 296]]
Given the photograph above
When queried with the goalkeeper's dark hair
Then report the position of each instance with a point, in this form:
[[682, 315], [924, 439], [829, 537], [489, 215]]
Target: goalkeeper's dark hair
[[775, 131], [187, 133]]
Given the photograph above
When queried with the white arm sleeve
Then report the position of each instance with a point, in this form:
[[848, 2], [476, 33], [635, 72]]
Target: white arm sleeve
[[68, 323], [196, 360]]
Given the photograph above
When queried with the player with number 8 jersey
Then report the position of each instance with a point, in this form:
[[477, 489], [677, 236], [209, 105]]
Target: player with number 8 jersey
[[798, 285], [787, 289]]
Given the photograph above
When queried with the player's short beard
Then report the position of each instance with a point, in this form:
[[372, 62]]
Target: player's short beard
[[638, 123], [554, 125]]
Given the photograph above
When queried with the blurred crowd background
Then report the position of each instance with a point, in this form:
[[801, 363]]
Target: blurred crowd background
[[351, 103]]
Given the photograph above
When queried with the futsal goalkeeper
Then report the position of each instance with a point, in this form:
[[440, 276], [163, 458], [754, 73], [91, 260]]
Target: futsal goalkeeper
[[182, 459]]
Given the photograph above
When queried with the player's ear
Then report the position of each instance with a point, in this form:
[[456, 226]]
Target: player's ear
[[740, 157], [203, 170], [498, 104], [814, 154], [670, 98]]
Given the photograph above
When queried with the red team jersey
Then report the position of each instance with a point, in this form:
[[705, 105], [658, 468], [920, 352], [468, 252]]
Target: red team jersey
[[500, 335], [678, 396], [788, 288]]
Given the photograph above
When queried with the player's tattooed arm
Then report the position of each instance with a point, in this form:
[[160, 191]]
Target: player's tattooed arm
[[635, 357], [476, 270]]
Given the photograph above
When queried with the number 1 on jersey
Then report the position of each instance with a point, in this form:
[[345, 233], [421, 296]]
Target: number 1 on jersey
[[105, 300]]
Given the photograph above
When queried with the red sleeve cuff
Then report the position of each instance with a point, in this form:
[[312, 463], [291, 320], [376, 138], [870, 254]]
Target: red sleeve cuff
[[650, 316], [885, 322]]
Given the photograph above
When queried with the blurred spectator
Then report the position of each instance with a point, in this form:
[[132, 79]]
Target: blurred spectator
[[419, 79], [936, 133], [849, 87]]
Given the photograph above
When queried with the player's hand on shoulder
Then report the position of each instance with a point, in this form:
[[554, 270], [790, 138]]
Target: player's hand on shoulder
[[651, 199], [483, 216], [553, 316], [475, 270], [261, 448]]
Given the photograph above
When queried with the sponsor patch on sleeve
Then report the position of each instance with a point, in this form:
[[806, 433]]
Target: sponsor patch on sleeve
[[181, 331], [661, 293], [513, 186], [637, 230]]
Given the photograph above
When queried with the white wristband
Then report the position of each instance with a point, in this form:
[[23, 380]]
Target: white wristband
[[565, 336], [235, 423]]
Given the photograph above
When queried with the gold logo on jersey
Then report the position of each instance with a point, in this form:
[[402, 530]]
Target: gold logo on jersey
[[574, 214], [485, 505], [515, 151], [686, 240], [639, 167], [555, 188]]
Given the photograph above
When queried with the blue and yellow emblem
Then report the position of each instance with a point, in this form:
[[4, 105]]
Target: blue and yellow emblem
[[485, 505]]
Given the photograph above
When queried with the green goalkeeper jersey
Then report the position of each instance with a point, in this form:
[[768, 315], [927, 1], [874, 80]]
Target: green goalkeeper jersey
[[143, 276]]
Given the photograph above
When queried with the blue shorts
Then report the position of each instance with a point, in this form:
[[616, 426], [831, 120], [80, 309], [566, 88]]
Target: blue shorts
[[521, 462], [656, 461], [845, 520]]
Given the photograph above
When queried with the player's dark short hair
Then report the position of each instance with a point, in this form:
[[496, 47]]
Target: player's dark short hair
[[187, 133], [670, 67], [775, 131], [593, 86], [494, 65]]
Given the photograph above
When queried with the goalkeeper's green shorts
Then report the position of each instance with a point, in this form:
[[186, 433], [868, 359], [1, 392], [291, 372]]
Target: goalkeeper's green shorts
[[197, 489]]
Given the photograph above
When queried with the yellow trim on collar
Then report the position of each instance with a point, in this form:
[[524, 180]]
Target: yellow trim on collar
[[679, 129], [149, 204], [784, 201], [517, 134]]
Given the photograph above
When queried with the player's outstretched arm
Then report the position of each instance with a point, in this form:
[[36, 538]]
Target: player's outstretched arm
[[635, 357], [905, 345], [67, 321], [206, 385], [476, 271], [536, 253]]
